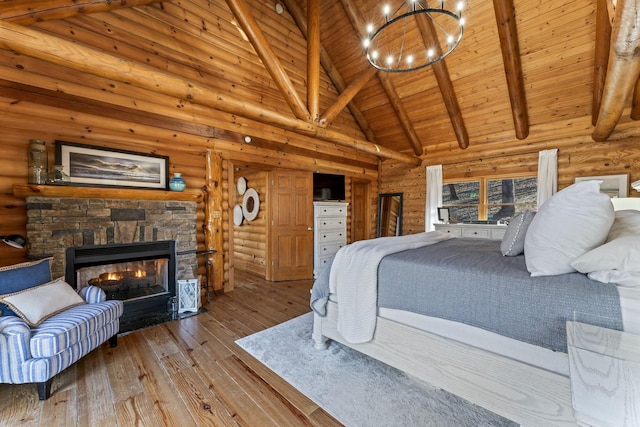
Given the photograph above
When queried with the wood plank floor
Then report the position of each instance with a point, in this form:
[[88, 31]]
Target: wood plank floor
[[183, 373]]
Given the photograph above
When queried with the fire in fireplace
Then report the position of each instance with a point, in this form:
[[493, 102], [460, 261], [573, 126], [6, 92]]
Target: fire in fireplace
[[128, 280], [141, 274]]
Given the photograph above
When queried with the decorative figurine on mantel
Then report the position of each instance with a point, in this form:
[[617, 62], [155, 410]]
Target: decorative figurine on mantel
[[177, 183]]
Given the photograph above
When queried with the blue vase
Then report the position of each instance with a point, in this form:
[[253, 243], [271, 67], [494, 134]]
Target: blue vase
[[177, 183]]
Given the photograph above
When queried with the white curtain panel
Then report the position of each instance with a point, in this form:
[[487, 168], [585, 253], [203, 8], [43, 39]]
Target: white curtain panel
[[434, 196], [547, 174]]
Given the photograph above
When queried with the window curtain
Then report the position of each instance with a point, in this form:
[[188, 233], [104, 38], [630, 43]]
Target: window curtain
[[434, 196], [547, 175]]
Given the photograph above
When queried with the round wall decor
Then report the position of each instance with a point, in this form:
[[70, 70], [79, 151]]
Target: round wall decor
[[242, 185], [250, 204], [237, 215]]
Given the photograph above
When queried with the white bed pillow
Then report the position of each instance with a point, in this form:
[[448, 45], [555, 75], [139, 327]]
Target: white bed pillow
[[622, 254], [619, 277], [626, 222], [513, 241], [569, 224], [37, 304]]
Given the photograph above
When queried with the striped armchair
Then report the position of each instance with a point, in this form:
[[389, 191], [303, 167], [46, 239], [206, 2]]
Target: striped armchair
[[35, 353]]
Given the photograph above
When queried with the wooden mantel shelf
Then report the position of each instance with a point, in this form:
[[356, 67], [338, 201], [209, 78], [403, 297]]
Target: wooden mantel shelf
[[22, 190]]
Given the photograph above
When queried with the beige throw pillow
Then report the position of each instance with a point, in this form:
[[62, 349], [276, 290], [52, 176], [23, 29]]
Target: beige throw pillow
[[35, 305]]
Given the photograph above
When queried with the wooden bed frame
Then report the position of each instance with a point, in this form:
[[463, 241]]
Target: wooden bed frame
[[520, 392]]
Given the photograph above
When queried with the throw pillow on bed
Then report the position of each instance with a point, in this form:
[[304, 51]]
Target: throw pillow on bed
[[513, 241], [569, 224]]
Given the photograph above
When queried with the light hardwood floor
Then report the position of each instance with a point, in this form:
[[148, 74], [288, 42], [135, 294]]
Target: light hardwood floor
[[182, 373]]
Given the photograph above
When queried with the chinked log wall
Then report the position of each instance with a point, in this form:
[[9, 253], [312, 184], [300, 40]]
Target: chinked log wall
[[195, 41], [578, 156]]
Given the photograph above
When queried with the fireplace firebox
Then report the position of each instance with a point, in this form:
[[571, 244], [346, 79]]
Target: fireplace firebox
[[141, 274]]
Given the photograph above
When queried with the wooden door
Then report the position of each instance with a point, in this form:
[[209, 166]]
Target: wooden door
[[360, 218], [291, 228]]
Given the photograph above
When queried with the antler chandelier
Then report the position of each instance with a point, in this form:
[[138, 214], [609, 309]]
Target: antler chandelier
[[414, 36]]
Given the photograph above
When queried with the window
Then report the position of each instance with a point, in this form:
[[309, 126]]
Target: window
[[488, 199]]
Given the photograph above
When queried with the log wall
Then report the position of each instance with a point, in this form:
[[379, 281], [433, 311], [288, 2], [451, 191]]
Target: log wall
[[578, 155], [250, 238]]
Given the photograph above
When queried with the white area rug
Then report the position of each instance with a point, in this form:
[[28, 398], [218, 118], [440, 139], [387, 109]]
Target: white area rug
[[356, 389]]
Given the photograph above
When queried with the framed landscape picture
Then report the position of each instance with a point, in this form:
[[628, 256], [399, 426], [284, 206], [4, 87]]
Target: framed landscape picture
[[91, 166]]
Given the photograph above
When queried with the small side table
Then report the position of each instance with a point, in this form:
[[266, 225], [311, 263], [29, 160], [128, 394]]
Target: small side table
[[207, 266]]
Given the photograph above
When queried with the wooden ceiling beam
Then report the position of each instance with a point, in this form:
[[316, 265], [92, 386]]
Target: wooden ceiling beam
[[37, 44], [331, 70], [623, 68], [29, 11], [347, 95], [313, 59], [603, 38], [250, 27], [429, 34], [394, 99], [506, 20]]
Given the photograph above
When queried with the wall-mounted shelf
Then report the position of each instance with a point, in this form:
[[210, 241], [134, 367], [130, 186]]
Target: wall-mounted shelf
[[28, 190]]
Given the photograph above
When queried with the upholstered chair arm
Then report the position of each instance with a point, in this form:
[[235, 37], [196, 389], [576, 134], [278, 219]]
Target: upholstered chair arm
[[14, 348], [92, 294]]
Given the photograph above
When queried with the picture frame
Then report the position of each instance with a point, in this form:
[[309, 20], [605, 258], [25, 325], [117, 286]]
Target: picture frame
[[102, 167], [443, 215], [613, 185]]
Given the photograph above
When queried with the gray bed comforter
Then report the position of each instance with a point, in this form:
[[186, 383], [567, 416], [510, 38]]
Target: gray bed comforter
[[469, 281]]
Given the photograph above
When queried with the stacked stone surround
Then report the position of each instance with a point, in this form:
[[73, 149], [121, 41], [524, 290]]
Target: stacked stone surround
[[57, 223]]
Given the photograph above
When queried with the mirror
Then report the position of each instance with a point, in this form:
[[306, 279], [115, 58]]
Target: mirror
[[389, 215]]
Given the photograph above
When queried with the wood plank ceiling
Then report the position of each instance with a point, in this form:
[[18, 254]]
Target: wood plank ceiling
[[520, 64]]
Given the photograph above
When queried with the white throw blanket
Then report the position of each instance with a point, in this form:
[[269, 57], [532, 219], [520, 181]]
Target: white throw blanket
[[354, 279]]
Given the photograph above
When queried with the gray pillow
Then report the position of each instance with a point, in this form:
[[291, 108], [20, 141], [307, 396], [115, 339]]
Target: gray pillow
[[513, 239]]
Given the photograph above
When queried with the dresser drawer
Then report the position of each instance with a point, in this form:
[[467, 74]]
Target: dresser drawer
[[475, 233], [332, 236], [328, 223], [322, 261], [329, 249], [456, 232], [329, 211]]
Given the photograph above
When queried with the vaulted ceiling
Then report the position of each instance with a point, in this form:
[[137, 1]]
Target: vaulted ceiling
[[522, 65]]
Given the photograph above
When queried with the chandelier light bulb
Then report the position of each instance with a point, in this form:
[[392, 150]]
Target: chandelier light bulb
[[389, 60], [374, 54], [366, 43], [460, 7], [410, 60], [370, 28], [386, 9], [430, 53], [462, 22], [449, 39]]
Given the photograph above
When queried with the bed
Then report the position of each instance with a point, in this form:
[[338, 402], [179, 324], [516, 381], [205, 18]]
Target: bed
[[521, 374]]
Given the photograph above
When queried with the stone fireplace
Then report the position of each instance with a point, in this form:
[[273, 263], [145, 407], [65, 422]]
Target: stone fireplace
[[135, 250]]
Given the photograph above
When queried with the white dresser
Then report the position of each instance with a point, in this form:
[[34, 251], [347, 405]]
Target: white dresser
[[486, 231], [329, 231]]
